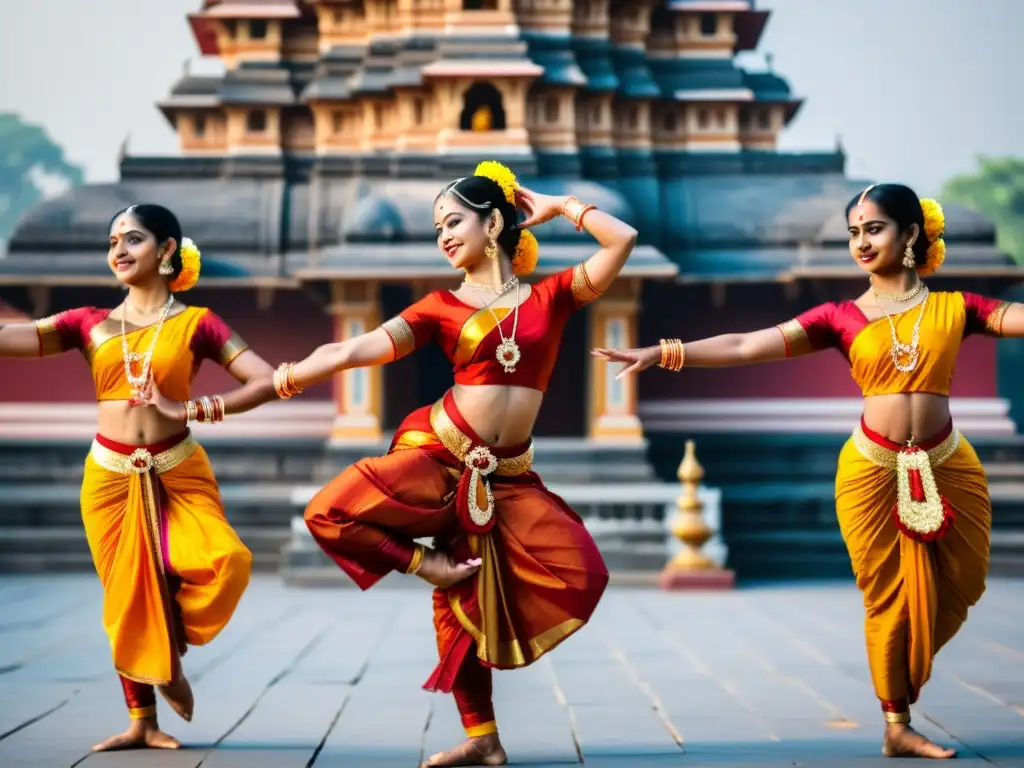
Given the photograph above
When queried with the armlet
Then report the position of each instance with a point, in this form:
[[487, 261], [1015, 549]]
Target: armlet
[[583, 291], [58, 333], [402, 337], [994, 321], [798, 342], [231, 349]]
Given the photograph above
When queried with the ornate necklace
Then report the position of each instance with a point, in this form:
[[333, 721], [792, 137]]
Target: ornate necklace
[[508, 351], [898, 298], [904, 356], [508, 285], [131, 357]]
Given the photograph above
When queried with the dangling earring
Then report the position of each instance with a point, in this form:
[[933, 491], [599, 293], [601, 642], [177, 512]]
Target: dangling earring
[[908, 258], [166, 268], [491, 251]]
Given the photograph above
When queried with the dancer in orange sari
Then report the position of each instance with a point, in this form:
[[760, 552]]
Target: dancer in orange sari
[[911, 496], [172, 568], [515, 569]]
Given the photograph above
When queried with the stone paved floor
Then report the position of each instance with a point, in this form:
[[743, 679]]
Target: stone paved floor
[[772, 676]]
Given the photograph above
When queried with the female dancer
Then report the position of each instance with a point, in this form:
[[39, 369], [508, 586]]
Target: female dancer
[[911, 495], [459, 470], [172, 568]]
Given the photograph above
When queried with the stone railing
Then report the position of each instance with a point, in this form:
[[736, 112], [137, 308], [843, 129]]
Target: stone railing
[[631, 522]]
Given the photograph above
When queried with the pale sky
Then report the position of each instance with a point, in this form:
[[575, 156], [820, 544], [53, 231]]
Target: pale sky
[[916, 88]]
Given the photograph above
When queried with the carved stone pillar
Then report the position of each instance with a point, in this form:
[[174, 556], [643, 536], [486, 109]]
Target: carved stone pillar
[[613, 404], [358, 393]]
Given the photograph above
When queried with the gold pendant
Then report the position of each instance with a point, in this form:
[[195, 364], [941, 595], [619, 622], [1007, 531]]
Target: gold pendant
[[508, 355]]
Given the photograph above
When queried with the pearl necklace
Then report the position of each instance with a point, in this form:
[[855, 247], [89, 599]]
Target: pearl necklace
[[508, 351], [900, 351], [505, 287], [898, 298], [131, 357]]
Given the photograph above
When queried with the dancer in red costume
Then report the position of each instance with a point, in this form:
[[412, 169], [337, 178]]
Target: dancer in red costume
[[515, 569]]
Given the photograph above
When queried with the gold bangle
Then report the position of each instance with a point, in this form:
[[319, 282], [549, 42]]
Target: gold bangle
[[284, 381], [673, 353], [571, 209], [207, 408], [578, 221], [901, 718], [417, 560], [218, 408], [191, 411]]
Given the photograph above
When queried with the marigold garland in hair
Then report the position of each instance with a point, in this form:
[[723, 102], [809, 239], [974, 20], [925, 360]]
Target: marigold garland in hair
[[934, 227], [190, 266], [934, 258], [500, 175], [934, 219], [527, 252]]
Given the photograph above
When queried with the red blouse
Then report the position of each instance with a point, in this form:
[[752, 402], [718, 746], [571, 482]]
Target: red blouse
[[470, 336]]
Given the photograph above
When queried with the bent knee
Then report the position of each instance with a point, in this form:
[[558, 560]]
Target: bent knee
[[326, 499]]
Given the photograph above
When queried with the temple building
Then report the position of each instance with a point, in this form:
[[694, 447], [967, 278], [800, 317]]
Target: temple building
[[307, 173]]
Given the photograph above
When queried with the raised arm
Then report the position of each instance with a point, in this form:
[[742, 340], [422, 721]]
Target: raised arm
[[615, 238], [812, 331]]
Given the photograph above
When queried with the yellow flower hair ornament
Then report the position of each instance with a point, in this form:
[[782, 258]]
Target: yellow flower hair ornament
[[500, 175], [190, 266], [525, 259], [934, 227]]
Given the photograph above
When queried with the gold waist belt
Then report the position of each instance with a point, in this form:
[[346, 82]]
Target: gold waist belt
[[141, 460], [477, 457], [889, 458], [478, 463]]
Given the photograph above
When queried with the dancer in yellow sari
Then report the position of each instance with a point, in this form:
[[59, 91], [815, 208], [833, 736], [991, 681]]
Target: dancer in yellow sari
[[911, 496], [172, 568]]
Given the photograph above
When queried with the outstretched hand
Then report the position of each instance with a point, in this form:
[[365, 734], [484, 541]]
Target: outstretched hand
[[537, 207], [150, 396], [633, 360]]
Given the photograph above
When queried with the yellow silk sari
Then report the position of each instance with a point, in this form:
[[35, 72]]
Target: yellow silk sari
[[172, 568], [916, 592]]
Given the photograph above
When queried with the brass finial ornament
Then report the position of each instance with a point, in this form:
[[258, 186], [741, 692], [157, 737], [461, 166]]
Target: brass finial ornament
[[691, 568]]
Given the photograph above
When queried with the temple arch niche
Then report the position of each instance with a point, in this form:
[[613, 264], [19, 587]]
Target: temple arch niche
[[482, 109]]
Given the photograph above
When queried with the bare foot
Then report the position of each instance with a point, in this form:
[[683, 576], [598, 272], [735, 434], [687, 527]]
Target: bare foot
[[483, 750], [904, 741], [443, 572], [179, 695], [142, 734]]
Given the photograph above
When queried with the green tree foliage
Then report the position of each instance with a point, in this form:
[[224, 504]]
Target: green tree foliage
[[997, 192], [30, 161]]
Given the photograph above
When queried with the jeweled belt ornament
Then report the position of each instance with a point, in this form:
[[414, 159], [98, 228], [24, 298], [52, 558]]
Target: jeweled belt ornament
[[480, 462], [920, 512]]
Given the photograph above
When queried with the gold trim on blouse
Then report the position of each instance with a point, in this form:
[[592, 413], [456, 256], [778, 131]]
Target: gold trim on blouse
[[50, 342], [232, 348], [796, 338], [401, 335], [994, 322]]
